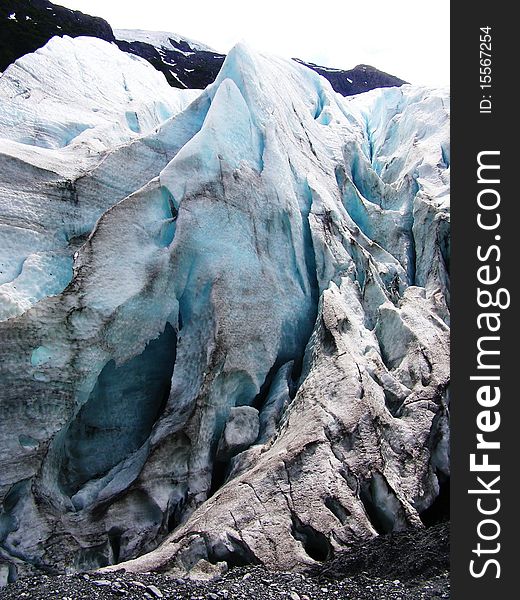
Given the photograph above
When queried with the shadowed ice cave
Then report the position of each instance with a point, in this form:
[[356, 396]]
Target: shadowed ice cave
[[119, 414]]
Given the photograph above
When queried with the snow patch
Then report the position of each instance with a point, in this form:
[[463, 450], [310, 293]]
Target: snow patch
[[159, 39]]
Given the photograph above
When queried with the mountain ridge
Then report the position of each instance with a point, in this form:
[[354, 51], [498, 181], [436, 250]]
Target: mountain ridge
[[28, 24]]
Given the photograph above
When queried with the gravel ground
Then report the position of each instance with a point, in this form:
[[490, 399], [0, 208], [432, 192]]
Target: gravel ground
[[243, 583], [406, 566]]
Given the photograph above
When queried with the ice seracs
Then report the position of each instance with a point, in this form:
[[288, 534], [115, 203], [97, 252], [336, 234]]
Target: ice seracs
[[62, 111], [248, 357]]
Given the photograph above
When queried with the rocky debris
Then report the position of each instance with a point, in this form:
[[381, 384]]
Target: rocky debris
[[411, 565], [240, 584], [420, 553], [245, 583]]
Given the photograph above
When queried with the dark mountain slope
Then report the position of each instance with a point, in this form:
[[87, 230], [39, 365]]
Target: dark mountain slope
[[354, 81], [26, 25], [183, 66]]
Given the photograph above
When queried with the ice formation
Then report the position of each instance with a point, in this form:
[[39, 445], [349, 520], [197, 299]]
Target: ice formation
[[225, 313]]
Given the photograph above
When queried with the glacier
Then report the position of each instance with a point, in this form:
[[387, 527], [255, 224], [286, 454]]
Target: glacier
[[224, 313]]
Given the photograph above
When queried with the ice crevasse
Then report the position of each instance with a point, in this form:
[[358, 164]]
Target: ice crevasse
[[224, 313]]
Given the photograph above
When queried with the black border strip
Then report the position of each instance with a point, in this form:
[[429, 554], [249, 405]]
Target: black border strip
[[474, 132]]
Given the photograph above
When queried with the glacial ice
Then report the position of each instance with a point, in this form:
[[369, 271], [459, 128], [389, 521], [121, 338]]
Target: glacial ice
[[83, 91], [225, 313], [45, 106]]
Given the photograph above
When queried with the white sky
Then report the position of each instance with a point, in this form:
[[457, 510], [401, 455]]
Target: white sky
[[408, 38]]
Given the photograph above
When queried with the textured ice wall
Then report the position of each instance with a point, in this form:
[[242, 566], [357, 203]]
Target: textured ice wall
[[249, 352]]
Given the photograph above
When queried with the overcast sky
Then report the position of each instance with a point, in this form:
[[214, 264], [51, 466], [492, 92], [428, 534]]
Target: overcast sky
[[408, 38]]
